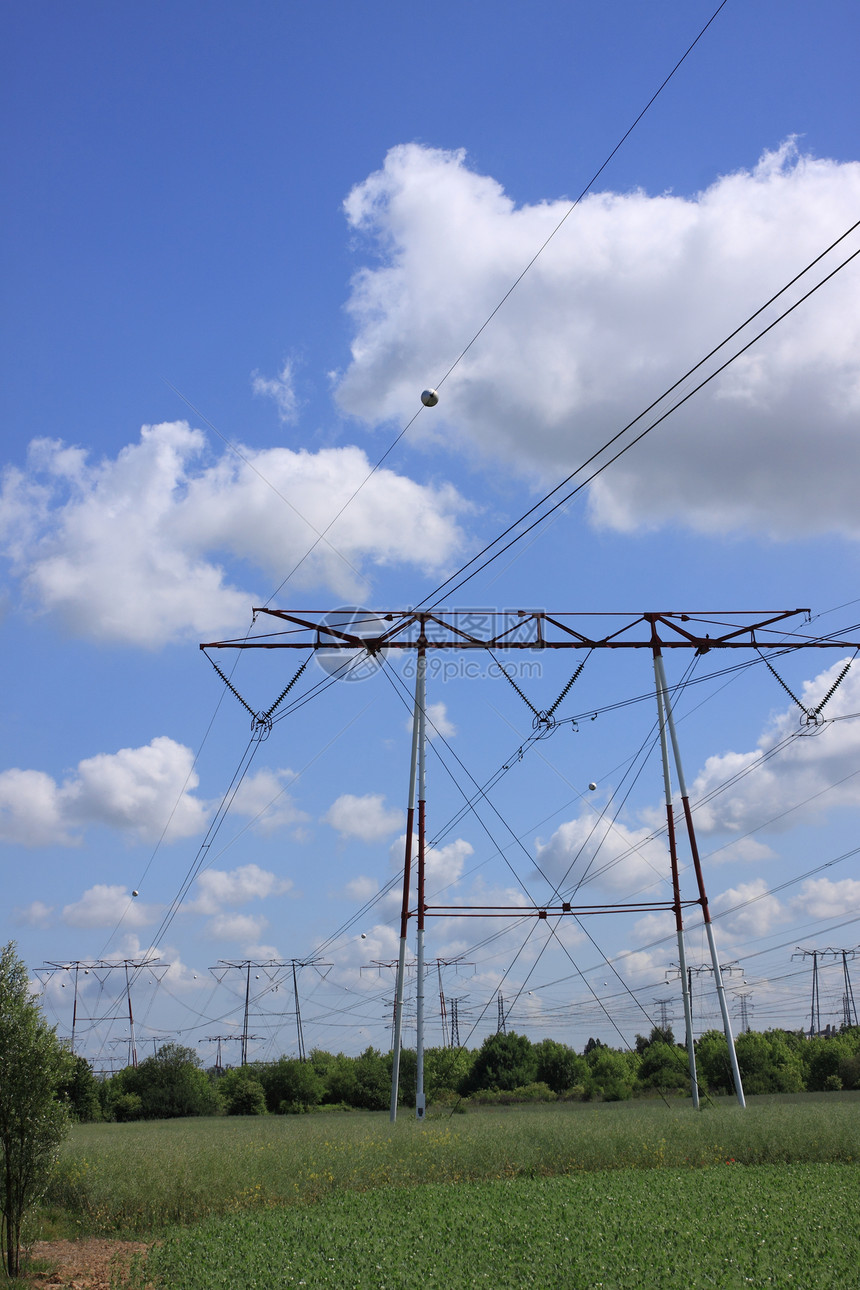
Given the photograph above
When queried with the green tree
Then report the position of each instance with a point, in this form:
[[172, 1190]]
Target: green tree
[[372, 1080], [612, 1074], [768, 1064], [504, 1061], [444, 1072], [658, 1035], [124, 1107], [664, 1066], [241, 1091], [33, 1119], [712, 1062], [80, 1091], [169, 1085], [291, 1085], [821, 1058], [849, 1071], [558, 1066], [338, 1076]]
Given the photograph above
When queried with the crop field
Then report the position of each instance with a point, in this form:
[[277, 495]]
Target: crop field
[[678, 1229], [576, 1195]]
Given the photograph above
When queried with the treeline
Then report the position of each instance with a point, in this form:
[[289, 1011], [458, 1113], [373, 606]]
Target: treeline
[[506, 1068]]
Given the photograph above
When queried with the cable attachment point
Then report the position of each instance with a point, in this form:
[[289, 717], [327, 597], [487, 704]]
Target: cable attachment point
[[811, 716], [543, 724], [261, 726]]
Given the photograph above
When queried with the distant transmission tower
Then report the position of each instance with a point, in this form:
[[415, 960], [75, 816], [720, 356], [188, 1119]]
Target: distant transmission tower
[[664, 1005], [726, 969], [455, 1023], [500, 1026], [849, 1007], [815, 1011], [101, 969], [219, 1040], [743, 997], [275, 971]]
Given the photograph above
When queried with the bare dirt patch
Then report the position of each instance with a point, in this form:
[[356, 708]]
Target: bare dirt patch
[[82, 1265]]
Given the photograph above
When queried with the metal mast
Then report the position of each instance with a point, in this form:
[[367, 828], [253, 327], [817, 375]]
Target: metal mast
[[407, 877], [440, 629]]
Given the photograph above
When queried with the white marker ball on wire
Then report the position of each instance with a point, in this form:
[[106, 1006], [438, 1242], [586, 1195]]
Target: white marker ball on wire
[[429, 398], [592, 786], [135, 893]]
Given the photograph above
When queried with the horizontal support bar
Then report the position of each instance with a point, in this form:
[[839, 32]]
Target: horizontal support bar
[[376, 632], [548, 911]]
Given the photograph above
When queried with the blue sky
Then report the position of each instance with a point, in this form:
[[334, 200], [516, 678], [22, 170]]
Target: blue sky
[[269, 230]]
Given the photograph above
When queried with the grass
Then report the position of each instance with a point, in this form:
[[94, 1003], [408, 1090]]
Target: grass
[[142, 1179], [674, 1229]]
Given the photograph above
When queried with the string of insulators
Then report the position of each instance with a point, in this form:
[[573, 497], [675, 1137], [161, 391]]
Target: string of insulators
[[811, 714], [569, 685]]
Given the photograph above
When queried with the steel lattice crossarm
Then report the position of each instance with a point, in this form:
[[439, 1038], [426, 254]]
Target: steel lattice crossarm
[[355, 638], [552, 911], [378, 631]]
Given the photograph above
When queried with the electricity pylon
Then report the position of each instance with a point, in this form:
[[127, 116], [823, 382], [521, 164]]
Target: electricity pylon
[[100, 970], [366, 638]]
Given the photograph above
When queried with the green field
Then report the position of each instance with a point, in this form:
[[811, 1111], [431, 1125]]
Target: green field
[[613, 1195], [675, 1228]]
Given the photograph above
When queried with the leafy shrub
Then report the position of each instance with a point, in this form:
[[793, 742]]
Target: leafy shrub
[[664, 1066], [822, 1057], [611, 1074], [559, 1066], [33, 1117], [125, 1107], [504, 1061], [538, 1092], [290, 1084], [372, 1081], [168, 1085], [242, 1093], [849, 1072], [80, 1091]]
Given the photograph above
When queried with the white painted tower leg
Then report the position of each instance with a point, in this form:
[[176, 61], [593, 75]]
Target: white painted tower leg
[[676, 889], [703, 899], [407, 874], [420, 1101]]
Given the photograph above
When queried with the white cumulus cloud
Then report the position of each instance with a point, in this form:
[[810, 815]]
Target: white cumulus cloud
[[245, 928], [634, 289], [615, 856], [825, 898], [367, 817], [216, 888], [36, 914], [265, 799], [103, 905], [281, 388], [748, 911], [781, 786], [138, 791], [437, 723], [133, 549]]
